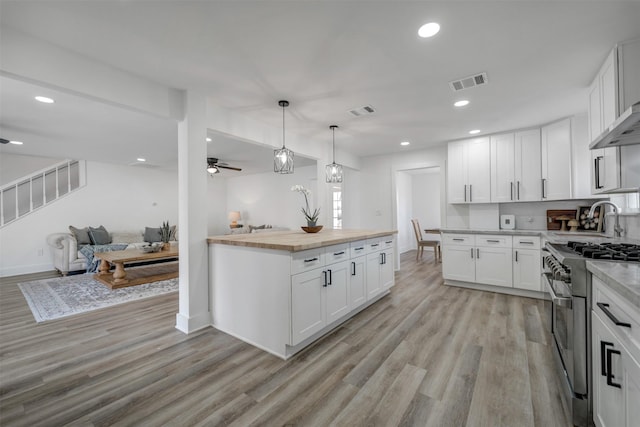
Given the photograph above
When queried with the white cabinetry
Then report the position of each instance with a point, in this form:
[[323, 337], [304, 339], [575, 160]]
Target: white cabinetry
[[615, 367], [484, 259], [379, 266], [330, 282], [516, 167], [614, 89], [556, 160], [469, 171], [527, 263]]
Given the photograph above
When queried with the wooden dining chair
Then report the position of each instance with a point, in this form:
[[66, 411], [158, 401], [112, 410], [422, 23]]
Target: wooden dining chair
[[437, 251]]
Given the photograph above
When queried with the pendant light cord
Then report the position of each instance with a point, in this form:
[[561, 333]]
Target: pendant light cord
[[283, 126], [334, 144]]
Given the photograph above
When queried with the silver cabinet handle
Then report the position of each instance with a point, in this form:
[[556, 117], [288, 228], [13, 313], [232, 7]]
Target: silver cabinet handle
[[493, 241], [478, 253], [465, 192], [471, 252], [525, 242], [511, 186], [516, 256], [458, 240], [544, 181], [518, 192], [470, 192]]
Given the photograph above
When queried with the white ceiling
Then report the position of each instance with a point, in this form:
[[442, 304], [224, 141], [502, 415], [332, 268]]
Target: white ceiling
[[329, 57]]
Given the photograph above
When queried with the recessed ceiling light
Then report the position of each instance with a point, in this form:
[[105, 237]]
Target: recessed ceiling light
[[461, 103], [405, 143], [208, 139], [475, 131], [44, 99], [141, 159], [429, 30], [15, 142]]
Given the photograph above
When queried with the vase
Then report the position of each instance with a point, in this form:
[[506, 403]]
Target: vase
[[311, 223], [166, 246]]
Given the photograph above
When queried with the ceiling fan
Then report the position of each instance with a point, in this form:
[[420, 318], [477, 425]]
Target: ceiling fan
[[214, 166]]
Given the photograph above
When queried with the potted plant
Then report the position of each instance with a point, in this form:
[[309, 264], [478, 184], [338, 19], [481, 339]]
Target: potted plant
[[166, 234]]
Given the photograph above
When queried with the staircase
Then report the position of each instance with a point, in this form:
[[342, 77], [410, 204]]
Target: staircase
[[34, 191]]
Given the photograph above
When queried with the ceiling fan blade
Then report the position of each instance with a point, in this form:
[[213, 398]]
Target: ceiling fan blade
[[228, 167]]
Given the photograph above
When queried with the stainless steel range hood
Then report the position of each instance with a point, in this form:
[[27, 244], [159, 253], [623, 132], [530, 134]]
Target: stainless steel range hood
[[624, 131]]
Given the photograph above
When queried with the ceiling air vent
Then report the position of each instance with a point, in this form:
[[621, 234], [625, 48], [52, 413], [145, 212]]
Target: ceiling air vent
[[362, 111], [467, 82]]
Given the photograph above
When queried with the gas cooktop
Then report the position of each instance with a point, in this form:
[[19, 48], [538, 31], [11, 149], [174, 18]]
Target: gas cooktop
[[606, 251]]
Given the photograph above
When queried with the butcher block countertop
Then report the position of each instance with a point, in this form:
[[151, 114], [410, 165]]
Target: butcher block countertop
[[295, 241]]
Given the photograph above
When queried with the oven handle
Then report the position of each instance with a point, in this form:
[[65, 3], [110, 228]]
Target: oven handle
[[559, 301]]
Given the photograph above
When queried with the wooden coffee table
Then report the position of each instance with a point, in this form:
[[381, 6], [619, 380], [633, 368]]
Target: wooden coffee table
[[121, 278]]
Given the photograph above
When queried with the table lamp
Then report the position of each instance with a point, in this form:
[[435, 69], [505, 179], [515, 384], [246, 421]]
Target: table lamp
[[234, 216]]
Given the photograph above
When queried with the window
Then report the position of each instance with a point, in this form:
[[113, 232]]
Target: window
[[337, 208]]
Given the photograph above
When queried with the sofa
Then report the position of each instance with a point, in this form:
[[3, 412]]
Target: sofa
[[66, 254]]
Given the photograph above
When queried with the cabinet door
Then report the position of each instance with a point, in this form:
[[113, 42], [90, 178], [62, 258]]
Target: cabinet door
[[494, 266], [608, 401], [374, 284], [556, 161], [528, 166], [479, 170], [605, 167], [386, 270], [308, 312], [337, 290], [631, 381], [595, 109], [357, 282], [608, 77], [502, 168], [458, 263], [527, 269], [457, 172]]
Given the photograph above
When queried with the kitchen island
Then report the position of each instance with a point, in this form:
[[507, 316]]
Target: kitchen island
[[282, 290]]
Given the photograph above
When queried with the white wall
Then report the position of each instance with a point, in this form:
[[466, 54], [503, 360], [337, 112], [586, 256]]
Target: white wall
[[14, 167], [217, 213], [426, 202], [404, 200], [122, 198], [267, 198]]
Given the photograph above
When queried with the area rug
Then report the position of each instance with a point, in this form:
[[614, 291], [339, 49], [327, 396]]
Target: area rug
[[65, 296]]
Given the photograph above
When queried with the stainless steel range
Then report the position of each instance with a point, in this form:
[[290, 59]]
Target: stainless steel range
[[569, 288]]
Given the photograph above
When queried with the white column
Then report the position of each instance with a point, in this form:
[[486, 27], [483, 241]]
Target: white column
[[194, 311]]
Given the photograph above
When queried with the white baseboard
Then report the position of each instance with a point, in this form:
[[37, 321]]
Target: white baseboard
[[191, 324], [25, 269]]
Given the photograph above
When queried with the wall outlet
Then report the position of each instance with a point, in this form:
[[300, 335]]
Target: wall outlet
[[40, 252]]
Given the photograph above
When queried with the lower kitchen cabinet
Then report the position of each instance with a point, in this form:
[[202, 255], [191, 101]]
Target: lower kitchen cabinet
[[616, 379], [358, 282], [337, 290], [308, 304], [615, 349], [379, 272], [499, 260]]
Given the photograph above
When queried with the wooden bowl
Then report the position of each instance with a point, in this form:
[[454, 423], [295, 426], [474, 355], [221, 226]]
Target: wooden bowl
[[312, 229]]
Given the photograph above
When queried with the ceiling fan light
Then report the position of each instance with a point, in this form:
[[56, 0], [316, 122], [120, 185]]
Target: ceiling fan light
[[212, 169], [283, 158]]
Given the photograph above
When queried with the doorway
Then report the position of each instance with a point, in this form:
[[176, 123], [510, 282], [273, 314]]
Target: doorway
[[418, 197]]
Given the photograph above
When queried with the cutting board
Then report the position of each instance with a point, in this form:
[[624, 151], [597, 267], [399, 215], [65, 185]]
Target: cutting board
[[552, 217]]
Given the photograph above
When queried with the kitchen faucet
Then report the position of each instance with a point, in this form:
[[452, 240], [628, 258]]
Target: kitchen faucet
[[617, 230]]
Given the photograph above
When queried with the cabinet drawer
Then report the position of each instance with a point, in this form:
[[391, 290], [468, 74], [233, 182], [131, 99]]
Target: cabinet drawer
[[337, 253], [386, 242], [526, 242], [374, 245], [458, 239], [358, 248], [604, 299], [307, 260], [493, 240]]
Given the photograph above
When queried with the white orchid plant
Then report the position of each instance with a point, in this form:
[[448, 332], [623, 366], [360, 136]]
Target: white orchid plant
[[311, 217]]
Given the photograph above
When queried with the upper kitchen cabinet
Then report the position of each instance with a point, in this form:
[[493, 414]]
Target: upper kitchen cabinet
[[555, 183], [516, 167], [469, 171], [614, 89]]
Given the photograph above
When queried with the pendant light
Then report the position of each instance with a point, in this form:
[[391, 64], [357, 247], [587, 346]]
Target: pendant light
[[334, 170], [283, 158]]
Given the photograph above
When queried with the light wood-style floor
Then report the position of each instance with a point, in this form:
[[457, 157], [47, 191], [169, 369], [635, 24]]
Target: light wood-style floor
[[428, 354]]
